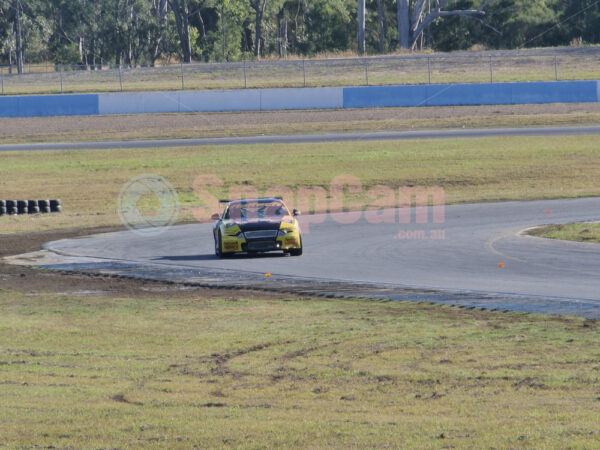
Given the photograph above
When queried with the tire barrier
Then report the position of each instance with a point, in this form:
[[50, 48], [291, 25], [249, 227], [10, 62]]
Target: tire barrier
[[55, 206], [32, 207], [22, 207], [14, 207], [44, 206], [11, 207]]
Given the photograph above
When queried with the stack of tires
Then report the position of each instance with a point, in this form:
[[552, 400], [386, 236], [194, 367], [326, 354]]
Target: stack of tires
[[14, 207]]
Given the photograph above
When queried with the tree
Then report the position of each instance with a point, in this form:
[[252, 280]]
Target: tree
[[12, 12], [92, 32], [16, 4], [381, 23], [329, 26], [222, 25], [580, 21], [259, 10], [403, 23], [158, 29], [23, 31], [182, 13], [411, 24], [518, 23], [361, 27]]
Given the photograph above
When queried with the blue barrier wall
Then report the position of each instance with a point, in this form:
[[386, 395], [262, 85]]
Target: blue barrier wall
[[49, 105], [472, 94], [302, 98]]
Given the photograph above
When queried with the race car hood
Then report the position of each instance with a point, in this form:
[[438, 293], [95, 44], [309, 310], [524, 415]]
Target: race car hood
[[258, 224]]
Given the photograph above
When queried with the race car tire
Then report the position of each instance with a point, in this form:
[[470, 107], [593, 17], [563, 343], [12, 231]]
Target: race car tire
[[296, 251], [218, 251]]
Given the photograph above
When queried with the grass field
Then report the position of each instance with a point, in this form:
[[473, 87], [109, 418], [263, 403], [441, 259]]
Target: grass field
[[580, 232], [488, 169], [95, 371], [95, 368]]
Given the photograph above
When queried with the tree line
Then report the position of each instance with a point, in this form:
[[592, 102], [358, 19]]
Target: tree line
[[141, 32]]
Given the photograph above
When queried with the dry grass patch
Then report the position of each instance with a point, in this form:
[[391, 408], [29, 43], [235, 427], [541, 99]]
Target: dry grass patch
[[96, 371], [403, 122], [580, 232]]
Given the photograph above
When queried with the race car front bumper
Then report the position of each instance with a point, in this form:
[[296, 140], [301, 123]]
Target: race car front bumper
[[260, 242]]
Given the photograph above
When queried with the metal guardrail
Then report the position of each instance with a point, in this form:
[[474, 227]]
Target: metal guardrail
[[480, 67]]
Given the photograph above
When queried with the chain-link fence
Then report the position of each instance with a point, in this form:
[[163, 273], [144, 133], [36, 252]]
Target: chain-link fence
[[576, 64]]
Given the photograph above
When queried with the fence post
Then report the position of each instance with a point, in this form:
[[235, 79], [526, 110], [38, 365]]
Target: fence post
[[245, 84], [303, 73], [60, 70], [367, 71], [182, 79], [491, 71], [428, 69], [555, 69], [2, 78]]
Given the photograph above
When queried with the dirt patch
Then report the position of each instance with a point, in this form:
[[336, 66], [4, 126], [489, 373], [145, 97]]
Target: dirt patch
[[120, 398], [529, 382], [30, 280]]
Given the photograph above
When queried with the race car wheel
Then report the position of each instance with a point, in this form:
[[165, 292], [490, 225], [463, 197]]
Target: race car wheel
[[296, 251], [218, 250]]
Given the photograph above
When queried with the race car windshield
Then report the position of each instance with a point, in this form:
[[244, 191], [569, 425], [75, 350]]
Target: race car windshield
[[256, 210]]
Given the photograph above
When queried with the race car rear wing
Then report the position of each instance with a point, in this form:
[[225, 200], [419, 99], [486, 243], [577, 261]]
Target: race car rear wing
[[278, 197]]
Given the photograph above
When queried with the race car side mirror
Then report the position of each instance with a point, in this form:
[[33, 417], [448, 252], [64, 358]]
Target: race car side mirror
[[296, 212], [215, 216]]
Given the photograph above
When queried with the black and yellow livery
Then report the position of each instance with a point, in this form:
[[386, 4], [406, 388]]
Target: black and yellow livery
[[255, 226]]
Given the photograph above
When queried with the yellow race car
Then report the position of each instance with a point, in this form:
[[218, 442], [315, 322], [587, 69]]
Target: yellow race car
[[255, 226]]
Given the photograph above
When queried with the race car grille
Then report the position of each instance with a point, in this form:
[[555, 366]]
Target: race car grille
[[257, 246], [261, 234]]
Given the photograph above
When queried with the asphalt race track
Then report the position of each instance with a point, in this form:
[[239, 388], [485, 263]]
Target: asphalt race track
[[454, 261], [307, 138], [457, 261]]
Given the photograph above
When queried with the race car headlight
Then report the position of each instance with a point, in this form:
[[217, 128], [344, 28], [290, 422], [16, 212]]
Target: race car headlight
[[284, 232], [232, 229]]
